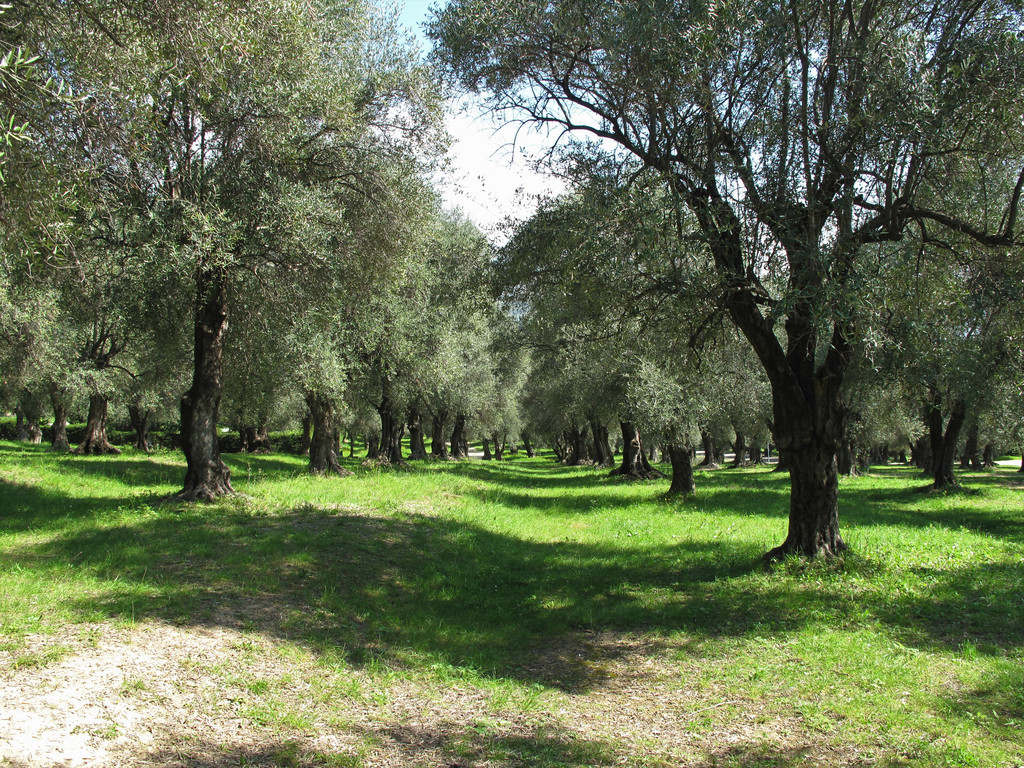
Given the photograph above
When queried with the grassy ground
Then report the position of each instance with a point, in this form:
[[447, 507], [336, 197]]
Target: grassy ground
[[518, 614]]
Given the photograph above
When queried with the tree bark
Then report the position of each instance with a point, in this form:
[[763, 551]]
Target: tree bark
[[438, 446], [708, 444], [139, 418], [59, 436], [681, 457], [844, 459], [944, 477], [207, 477], [323, 456], [814, 505], [988, 456], [970, 457], [527, 446], [739, 447], [460, 447], [499, 446], [603, 456], [95, 440], [391, 431], [634, 460], [487, 449], [304, 441], [417, 445]]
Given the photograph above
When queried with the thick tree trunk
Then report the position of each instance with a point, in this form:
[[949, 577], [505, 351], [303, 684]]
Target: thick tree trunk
[[372, 445], [438, 446], [391, 431], [634, 461], [944, 477], [844, 459], [95, 441], [207, 477], [499, 446], [988, 456], [254, 439], [814, 503], [708, 445], [460, 448], [603, 456], [755, 454], [681, 457], [578, 453], [527, 446], [139, 418], [59, 436], [417, 445], [323, 455], [739, 448], [486, 444]]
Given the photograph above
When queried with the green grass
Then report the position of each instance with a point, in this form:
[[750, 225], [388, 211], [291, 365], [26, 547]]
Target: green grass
[[452, 575]]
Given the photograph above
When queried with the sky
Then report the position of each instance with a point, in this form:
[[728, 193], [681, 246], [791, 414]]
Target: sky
[[491, 177]]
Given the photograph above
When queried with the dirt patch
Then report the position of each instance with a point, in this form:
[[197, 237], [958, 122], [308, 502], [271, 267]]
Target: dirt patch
[[155, 694]]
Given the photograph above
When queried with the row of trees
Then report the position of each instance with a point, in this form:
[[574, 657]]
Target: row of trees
[[233, 200], [813, 150], [792, 223]]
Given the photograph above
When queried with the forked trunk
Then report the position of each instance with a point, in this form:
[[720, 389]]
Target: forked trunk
[[499, 446], [254, 439], [139, 417], [59, 437], [95, 440], [681, 457], [634, 461], [207, 477], [323, 456], [460, 447]]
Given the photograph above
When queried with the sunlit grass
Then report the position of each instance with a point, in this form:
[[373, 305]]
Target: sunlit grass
[[908, 651]]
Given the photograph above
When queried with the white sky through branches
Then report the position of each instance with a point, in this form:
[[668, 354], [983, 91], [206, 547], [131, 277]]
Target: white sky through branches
[[491, 176]]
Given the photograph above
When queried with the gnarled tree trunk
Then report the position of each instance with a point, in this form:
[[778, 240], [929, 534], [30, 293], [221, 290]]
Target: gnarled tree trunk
[[460, 447], [708, 445], [438, 446], [527, 446], [417, 445], [139, 418], [323, 454], [739, 449], [944, 477], [59, 402], [681, 457], [634, 460], [207, 477], [95, 440]]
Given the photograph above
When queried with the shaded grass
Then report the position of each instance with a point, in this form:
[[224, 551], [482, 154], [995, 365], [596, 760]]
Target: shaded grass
[[908, 651]]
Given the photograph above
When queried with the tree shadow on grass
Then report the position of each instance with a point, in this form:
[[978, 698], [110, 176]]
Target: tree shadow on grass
[[906, 507], [403, 589]]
